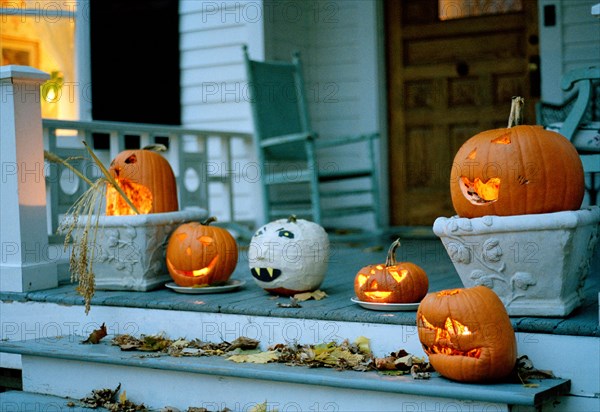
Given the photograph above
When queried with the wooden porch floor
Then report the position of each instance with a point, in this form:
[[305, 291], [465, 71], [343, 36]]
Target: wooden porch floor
[[347, 258]]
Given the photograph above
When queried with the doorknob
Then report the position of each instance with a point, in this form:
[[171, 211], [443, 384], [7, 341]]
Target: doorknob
[[462, 68]]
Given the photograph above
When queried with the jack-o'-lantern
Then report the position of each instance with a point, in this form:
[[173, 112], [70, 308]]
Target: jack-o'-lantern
[[467, 334], [201, 255], [146, 178], [289, 256], [392, 282], [516, 170]]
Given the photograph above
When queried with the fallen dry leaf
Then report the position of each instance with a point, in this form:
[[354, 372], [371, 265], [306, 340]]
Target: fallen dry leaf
[[146, 343], [343, 356], [100, 397], [96, 336], [243, 343], [364, 344], [525, 371], [316, 295], [402, 362], [261, 407], [293, 304], [260, 357], [421, 371]]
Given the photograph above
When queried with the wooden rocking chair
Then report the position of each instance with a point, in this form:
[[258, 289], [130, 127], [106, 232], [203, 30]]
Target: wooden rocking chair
[[288, 150], [578, 119]]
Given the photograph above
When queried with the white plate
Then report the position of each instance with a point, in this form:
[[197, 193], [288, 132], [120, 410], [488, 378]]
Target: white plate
[[228, 287], [386, 307]]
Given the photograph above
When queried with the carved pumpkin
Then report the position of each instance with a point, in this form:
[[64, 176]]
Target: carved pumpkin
[[392, 282], [467, 334], [147, 179], [516, 170], [289, 256], [201, 255]]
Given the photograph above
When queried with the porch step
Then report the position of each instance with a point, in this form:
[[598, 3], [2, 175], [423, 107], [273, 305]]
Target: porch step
[[18, 401], [214, 383]]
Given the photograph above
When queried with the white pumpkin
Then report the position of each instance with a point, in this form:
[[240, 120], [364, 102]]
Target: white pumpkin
[[289, 256]]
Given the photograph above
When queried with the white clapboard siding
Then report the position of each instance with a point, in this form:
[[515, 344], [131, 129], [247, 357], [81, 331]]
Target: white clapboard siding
[[338, 44], [214, 92], [572, 43], [581, 35]]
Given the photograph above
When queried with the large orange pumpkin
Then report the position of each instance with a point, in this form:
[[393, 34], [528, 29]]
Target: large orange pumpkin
[[201, 255], [392, 282], [516, 170], [467, 334], [147, 179]]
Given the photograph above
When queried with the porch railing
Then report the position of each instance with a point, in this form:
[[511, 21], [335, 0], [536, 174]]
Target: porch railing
[[202, 160]]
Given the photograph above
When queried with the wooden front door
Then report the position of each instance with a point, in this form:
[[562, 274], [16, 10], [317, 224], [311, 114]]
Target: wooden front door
[[448, 79]]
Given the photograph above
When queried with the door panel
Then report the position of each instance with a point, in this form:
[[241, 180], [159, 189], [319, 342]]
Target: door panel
[[448, 80]]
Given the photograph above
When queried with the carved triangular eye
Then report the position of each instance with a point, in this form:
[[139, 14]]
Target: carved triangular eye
[[131, 159], [398, 275], [181, 236], [472, 155], [504, 139], [206, 240]]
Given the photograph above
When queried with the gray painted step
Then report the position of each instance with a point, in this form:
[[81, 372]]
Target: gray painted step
[[147, 377], [18, 401]]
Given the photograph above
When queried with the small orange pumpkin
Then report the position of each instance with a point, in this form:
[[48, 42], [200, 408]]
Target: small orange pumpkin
[[392, 282], [516, 170], [201, 255], [147, 179], [467, 334]]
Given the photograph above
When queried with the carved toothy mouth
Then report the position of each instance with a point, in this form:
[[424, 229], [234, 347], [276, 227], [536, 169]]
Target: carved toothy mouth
[[443, 338], [265, 274], [195, 273], [378, 294], [478, 192]]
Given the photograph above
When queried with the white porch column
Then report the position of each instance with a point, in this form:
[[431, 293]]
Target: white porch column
[[25, 261]]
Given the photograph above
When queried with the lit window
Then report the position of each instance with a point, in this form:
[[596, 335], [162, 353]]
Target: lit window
[[41, 34]]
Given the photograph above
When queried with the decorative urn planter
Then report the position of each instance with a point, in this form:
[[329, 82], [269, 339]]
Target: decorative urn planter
[[130, 250], [537, 263]]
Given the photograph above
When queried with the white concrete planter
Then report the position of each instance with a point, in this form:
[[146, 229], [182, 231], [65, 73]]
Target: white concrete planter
[[537, 264], [130, 250]]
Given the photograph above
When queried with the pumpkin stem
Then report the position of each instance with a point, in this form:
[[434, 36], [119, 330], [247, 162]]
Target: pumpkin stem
[[209, 221], [516, 111], [390, 260], [292, 219]]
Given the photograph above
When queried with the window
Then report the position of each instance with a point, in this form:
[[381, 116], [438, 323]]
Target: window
[[42, 34]]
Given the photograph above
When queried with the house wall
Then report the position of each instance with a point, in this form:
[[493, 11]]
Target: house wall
[[573, 42], [214, 93], [338, 42]]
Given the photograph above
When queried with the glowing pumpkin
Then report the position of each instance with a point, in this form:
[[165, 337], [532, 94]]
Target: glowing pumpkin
[[516, 170], [392, 282], [289, 256], [467, 334], [146, 178], [201, 255]]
